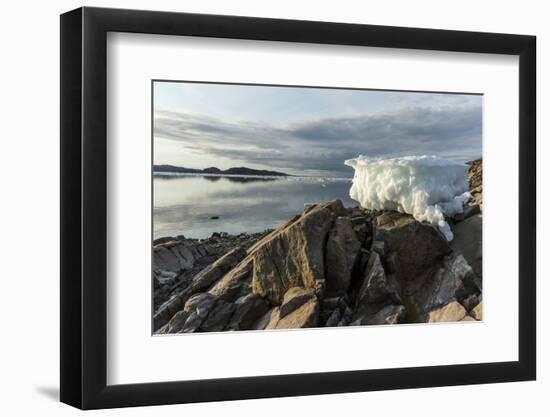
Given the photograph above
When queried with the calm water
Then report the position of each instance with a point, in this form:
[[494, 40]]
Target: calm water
[[185, 204]]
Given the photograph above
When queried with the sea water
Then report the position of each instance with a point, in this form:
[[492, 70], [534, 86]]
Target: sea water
[[196, 205]]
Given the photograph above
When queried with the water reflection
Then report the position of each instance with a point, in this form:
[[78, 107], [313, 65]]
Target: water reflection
[[185, 204], [214, 178]]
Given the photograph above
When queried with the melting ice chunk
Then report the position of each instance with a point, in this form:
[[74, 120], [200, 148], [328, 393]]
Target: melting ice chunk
[[428, 187]]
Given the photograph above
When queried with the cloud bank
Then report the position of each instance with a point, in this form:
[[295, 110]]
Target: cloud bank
[[320, 146]]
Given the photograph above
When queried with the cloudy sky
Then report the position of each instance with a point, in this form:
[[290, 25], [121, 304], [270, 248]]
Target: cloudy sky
[[307, 131]]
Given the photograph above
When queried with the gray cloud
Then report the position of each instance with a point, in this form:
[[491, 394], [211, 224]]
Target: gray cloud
[[322, 145]]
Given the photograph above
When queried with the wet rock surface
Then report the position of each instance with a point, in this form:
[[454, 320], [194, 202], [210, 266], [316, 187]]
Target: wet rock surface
[[329, 266]]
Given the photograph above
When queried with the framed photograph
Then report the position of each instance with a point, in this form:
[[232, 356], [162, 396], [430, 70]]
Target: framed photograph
[[257, 208]]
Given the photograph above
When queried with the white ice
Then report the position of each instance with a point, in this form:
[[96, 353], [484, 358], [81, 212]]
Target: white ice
[[428, 187]]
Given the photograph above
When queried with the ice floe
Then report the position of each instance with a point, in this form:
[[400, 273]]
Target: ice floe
[[427, 187]]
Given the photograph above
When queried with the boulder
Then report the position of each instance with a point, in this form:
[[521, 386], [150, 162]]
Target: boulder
[[454, 279], [195, 311], [248, 310], [468, 241], [417, 246], [167, 310], [307, 315], [376, 287], [218, 317], [176, 323], [454, 311], [235, 283], [342, 250], [165, 259], [293, 256], [336, 207], [294, 298], [218, 269], [429, 274]]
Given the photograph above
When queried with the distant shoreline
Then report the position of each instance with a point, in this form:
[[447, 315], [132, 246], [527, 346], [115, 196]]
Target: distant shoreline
[[287, 177], [239, 171]]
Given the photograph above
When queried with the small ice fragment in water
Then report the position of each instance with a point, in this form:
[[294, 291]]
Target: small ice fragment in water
[[428, 187]]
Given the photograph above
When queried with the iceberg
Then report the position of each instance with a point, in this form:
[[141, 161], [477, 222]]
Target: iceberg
[[427, 187]]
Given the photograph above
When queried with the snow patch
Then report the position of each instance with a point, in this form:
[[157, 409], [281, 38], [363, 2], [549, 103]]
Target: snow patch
[[427, 186]]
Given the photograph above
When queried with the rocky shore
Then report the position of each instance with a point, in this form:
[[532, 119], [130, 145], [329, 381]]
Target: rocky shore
[[328, 266]]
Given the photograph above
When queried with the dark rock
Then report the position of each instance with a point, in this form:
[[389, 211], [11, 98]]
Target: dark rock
[[178, 264], [347, 315], [379, 247], [177, 323], [333, 319], [415, 253], [376, 288], [362, 232], [195, 311], [341, 254], [270, 318], [417, 245], [162, 240], [469, 211], [359, 220], [167, 310], [390, 314], [248, 310], [470, 302], [364, 256], [218, 317], [468, 241], [453, 280], [165, 259], [333, 303], [330, 303]]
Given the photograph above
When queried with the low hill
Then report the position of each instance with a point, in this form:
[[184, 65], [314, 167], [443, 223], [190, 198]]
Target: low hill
[[214, 170]]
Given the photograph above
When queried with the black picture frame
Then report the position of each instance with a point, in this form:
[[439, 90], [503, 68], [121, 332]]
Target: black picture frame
[[84, 207]]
